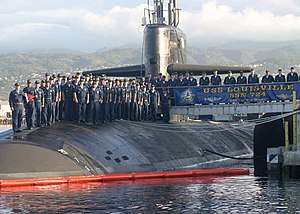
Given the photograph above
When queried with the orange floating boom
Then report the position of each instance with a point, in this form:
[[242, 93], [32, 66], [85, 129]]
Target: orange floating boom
[[104, 178]]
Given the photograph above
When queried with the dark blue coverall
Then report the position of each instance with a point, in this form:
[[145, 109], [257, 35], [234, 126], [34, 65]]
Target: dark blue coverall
[[16, 103]]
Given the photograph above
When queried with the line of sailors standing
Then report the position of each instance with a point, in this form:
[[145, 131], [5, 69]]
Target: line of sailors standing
[[86, 100], [189, 80], [93, 99]]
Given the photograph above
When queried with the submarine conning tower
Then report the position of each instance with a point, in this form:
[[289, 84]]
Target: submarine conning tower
[[164, 43]]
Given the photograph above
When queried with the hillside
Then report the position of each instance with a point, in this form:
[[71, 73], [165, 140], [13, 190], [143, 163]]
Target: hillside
[[21, 66]]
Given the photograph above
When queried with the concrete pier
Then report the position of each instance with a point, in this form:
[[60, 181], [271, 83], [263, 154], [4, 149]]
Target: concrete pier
[[285, 160]]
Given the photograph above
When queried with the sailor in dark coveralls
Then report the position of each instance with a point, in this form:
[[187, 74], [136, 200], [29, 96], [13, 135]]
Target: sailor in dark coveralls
[[54, 102], [154, 100], [161, 84], [112, 101], [59, 104], [165, 105], [267, 78], [124, 99], [118, 107], [253, 77], [128, 103], [229, 80], [215, 79], [133, 104], [16, 101], [106, 100], [43, 86], [145, 103], [38, 102], [139, 103], [172, 84], [204, 80], [67, 97], [292, 76], [242, 79], [192, 81], [280, 77], [47, 77], [95, 99], [75, 83], [180, 81], [100, 86], [29, 106], [81, 97], [49, 96]]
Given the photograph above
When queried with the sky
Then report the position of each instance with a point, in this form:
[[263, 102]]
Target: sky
[[89, 25]]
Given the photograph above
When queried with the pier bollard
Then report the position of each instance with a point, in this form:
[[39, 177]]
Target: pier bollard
[[294, 121]]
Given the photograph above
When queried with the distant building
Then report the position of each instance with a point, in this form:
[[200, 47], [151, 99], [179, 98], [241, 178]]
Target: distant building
[[5, 111]]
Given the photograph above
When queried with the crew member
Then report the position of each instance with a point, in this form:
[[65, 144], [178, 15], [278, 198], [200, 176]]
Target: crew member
[[112, 100], [154, 103], [106, 100], [192, 81], [55, 101], [172, 84], [43, 86], [267, 78], [29, 107], [280, 77], [47, 77], [95, 100], [186, 79], [124, 99], [128, 101], [215, 79], [180, 81], [49, 96], [103, 90], [145, 103], [81, 97], [165, 106], [59, 103], [253, 77], [229, 80], [139, 103], [204, 80], [118, 107], [241, 79], [133, 107], [39, 103], [292, 76], [16, 101], [67, 97]]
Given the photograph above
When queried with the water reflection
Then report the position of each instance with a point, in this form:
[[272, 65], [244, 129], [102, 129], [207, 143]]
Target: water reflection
[[244, 194]]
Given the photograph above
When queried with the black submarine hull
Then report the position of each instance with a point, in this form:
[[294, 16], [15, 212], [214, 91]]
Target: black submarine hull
[[71, 149]]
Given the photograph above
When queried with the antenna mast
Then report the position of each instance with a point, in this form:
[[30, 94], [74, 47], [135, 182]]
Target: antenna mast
[[158, 13]]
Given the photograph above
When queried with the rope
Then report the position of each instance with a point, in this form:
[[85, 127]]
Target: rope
[[231, 157]]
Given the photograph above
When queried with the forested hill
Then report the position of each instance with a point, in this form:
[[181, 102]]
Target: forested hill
[[21, 66]]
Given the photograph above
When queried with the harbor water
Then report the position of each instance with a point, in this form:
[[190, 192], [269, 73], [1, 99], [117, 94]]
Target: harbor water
[[242, 194], [245, 194]]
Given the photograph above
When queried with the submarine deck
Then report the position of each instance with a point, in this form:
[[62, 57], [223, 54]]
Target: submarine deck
[[68, 149]]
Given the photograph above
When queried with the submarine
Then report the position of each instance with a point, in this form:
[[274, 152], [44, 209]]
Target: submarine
[[72, 149]]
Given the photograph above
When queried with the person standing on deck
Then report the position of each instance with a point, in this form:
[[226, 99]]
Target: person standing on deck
[[16, 103]]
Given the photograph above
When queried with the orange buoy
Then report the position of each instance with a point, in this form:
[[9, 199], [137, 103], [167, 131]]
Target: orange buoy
[[123, 177]]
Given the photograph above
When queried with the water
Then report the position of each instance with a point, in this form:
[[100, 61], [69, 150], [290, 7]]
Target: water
[[245, 194]]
